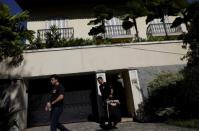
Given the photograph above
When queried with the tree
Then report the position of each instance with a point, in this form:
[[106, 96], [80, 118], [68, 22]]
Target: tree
[[191, 38], [190, 17], [160, 8], [13, 35], [134, 9], [186, 12], [102, 13]]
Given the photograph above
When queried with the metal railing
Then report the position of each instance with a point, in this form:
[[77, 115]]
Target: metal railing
[[158, 29], [65, 33], [116, 31]]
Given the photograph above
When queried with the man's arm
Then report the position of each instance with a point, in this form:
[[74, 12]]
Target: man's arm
[[59, 98], [111, 93]]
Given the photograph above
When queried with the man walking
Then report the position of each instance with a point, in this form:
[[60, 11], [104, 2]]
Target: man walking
[[56, 103]]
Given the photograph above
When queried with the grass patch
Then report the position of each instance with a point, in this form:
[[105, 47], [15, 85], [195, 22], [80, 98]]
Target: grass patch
[[190, 123]]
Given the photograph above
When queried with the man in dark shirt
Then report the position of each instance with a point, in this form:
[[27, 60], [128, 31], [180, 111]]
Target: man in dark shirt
[[56, 103], [107, 93]]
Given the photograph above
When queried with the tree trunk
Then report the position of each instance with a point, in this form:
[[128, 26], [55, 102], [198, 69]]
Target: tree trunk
[[136, 29], [165, 28]]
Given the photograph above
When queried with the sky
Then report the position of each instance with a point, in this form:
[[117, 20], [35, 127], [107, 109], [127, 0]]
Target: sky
[[14, 7]]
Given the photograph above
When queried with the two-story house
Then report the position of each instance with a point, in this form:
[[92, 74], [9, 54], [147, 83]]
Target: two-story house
[[133, 64]]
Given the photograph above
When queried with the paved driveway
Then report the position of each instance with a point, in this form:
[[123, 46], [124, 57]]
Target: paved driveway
[[126, 126]]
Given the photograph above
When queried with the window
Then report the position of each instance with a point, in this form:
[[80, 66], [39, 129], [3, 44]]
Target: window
[[59, 23]]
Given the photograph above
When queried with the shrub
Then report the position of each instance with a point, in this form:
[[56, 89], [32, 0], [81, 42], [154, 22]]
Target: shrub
[[163, 96]]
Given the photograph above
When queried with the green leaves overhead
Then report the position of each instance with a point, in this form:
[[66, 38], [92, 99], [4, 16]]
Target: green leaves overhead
[[178, 21], [102, 13], [160, 8], [96, 30], [136, 8], [13, 35]]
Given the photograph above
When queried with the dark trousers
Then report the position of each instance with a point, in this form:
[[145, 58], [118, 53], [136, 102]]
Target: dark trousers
[[104, 114], [55, 114]]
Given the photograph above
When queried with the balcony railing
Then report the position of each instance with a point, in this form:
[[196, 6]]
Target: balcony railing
[[158, 30], [66, 33], [116, 31]]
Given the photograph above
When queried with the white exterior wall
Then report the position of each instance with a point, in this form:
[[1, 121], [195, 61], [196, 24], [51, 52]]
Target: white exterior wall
[[81, 28], [142, 27], [94, 58], [35, 25]]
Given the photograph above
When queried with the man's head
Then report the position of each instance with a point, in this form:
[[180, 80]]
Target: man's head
[[100, 80], [54, 79]]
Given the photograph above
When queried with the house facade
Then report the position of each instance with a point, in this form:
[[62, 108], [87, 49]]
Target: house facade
[[131, 64]]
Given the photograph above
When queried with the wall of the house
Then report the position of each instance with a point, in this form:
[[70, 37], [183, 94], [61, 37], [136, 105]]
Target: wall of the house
[[81, 28], [94, 58], [147, 74]]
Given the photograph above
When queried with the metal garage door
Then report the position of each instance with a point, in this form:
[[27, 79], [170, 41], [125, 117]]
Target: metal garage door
[[79, 101]]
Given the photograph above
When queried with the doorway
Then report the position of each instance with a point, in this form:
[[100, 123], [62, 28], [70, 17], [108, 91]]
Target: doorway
[[119, 80]]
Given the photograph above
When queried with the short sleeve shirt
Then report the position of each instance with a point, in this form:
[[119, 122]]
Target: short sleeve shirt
[[55, 92], [105, 91]]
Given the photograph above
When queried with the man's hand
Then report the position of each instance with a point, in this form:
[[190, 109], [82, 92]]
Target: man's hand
[[48, 106]]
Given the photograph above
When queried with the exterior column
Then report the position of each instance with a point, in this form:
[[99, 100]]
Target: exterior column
[[135, 88]]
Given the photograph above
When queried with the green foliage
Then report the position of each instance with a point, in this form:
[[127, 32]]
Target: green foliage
[[165, 79], [191, 90], [13, 35], [102, 13], [175, 95], [192, 37], [52, 37], [127, 24], [134, 9], [189, 123], [187, 14], [158, 9], [168, 111], [164, 95], [38, 44]]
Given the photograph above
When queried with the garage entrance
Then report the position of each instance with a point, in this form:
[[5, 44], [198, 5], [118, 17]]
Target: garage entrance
[[79, 103], [119, 80]]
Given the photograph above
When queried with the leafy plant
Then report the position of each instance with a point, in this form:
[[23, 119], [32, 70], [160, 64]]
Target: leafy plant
[[102, 13], [165, 79], [52, 37], [158, 9], [134, 9], [13, 35]]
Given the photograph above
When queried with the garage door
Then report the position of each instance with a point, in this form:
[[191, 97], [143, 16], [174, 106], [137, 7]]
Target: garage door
[[79, 102]]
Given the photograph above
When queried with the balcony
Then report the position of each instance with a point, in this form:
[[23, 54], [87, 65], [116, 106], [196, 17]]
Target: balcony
[[158, 30], [116, 31], [66, 33]]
